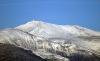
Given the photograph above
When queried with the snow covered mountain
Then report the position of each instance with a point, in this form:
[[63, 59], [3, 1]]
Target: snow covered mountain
[[52, 41], [65, 34]]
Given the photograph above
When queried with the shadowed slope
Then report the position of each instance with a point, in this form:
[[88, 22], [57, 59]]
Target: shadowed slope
[[12, 53]]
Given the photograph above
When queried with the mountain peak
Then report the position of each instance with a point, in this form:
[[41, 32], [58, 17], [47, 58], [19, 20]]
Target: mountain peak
[[41, 28]]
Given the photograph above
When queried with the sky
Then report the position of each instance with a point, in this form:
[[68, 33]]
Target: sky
[[84, 13]]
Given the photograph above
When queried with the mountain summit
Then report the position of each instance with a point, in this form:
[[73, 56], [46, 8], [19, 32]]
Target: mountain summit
[[42, 28]]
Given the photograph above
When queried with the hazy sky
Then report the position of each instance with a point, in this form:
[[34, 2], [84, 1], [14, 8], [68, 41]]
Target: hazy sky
[[85, 13]]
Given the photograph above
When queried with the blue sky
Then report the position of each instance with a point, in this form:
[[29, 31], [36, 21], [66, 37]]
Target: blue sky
[[85, 13]]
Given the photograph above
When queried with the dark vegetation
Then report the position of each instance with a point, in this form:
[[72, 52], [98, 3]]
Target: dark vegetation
[[12, 53]]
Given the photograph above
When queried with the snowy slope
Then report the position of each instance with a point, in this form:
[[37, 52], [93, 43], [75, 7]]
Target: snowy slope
[[53, 30]]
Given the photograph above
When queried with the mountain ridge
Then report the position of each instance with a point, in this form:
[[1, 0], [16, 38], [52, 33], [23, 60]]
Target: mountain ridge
[[72, 29]]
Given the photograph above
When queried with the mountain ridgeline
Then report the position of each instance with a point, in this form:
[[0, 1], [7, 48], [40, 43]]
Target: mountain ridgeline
[[54, 42]]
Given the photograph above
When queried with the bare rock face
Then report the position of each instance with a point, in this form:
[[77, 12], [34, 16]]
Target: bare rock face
[[12, 53]]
